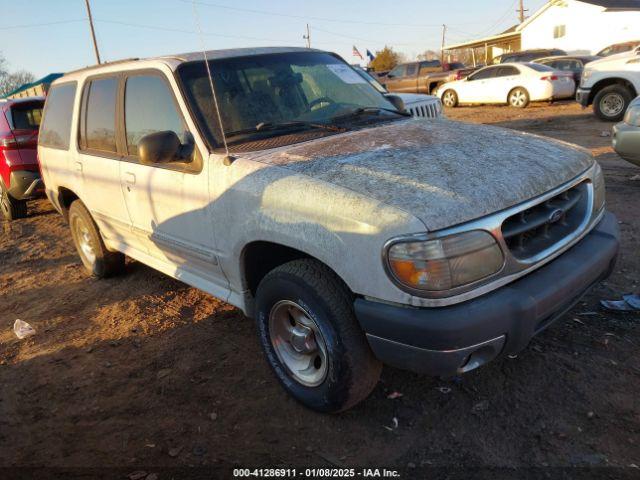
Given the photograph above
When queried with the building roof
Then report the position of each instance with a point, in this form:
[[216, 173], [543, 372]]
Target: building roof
[[46, 80], [509, 34]]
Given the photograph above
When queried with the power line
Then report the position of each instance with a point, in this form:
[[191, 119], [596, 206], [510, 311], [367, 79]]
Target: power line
[[46, 24]]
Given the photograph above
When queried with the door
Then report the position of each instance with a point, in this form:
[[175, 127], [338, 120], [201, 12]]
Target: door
[[394, 78], [168, 202], [97, 164], [476, 88], [505, 79]]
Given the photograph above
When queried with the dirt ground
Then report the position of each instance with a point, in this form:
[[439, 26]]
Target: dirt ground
[[143, 372]]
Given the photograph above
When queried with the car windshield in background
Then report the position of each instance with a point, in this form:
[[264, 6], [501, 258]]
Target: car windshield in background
[[26, 116], [299, 90]]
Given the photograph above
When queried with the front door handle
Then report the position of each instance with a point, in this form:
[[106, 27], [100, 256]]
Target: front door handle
[[130, 178]]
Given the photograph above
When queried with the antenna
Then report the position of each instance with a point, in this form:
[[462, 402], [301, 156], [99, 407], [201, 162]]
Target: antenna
[[228, 159]]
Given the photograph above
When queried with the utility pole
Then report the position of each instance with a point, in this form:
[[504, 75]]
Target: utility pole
[[93, 32], [521, 11], [444, 33], [307, 37]]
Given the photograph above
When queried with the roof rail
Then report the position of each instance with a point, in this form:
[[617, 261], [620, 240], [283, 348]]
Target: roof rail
[[104, 64]]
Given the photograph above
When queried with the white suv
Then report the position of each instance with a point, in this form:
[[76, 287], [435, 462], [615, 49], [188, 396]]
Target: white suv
[[353, 233]]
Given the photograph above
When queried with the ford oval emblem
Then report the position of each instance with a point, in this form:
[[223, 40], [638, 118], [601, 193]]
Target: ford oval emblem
[[556, 216]]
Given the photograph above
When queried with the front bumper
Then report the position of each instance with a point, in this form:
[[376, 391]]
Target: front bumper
[[626, 142], [25, 184], [582, 96], [446, 341]]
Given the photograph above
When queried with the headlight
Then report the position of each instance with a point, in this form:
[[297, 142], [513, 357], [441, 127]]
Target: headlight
[[586, 74], [598, 189], [632, 116], [445, 263]]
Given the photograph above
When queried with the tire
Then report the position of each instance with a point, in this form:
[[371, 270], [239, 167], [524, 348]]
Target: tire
[[99, 261], [611, 103], [341, 371], [518, 98], [10, 208], [450, 99]]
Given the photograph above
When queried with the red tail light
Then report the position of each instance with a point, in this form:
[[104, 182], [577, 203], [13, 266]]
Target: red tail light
[[18, 139], [459, 76], [550, 78]]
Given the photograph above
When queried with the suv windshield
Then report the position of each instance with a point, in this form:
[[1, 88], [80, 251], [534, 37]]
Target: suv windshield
[[299, 90]]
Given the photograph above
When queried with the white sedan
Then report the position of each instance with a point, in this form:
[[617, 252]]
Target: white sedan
[[515, 84]]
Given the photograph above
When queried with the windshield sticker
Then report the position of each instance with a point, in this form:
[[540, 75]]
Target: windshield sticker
[[346, 73]]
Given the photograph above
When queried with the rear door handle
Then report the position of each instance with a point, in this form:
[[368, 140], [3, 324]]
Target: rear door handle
[[130, 178], [79, 167]]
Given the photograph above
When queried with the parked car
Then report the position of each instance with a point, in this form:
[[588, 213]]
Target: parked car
[[618, 48], [417, 104], [569, 63], [423, 77], [626, 135], [19, 173], [527, 56], [610, 84], [516, 84], [353, 233]]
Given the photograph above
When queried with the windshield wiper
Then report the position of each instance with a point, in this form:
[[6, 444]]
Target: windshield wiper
[[292, 125], [369, 110]]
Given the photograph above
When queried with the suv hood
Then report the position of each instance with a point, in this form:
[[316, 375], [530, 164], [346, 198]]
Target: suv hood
[[442, 172]]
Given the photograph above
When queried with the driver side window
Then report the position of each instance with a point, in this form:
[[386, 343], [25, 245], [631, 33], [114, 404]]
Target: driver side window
[[483, 74], [398, 71], [150, 107]]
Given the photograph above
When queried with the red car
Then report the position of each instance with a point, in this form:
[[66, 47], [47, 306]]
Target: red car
[[20, 178]]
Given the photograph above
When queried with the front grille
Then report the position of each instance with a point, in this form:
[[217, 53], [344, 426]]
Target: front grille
[[428, 110], [541, 227]]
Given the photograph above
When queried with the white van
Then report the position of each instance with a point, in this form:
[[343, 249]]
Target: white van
[[353, 233]]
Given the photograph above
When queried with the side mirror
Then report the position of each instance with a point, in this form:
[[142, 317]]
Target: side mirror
[[389, 75], [397, 102], [163, 147]]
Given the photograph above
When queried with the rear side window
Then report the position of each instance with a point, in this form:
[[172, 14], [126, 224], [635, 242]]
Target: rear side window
[[98, 115], [507, 72], [411, 70], [26, 116], [150, 107], [58, 112]]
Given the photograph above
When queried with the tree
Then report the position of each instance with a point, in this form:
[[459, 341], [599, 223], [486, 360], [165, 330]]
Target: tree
[[429, 55], [385, 60], [9, 81]]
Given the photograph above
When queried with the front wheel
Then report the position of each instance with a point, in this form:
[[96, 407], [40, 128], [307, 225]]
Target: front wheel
[[610, 104], [99, 261], [312, 339], [519, 98], [450, 99]]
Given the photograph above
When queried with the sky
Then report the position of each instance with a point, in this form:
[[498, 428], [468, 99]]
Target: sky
[[45, 36]]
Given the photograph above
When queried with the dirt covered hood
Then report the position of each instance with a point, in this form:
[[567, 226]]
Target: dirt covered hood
[[443, 172]]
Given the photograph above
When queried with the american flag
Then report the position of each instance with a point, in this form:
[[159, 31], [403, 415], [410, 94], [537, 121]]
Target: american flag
[[356, 53]]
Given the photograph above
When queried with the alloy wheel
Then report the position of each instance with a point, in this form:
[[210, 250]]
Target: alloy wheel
[[518, 98]]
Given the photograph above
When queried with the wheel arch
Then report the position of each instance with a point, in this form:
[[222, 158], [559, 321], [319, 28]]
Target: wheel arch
[[607, 82], [65, 198], [260, 257]]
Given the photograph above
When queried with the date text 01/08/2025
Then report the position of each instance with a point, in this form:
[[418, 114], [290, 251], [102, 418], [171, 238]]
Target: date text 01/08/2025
[[315, 473]]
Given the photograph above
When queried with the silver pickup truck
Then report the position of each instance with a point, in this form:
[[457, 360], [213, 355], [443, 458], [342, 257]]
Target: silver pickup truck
[[280, 181]]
